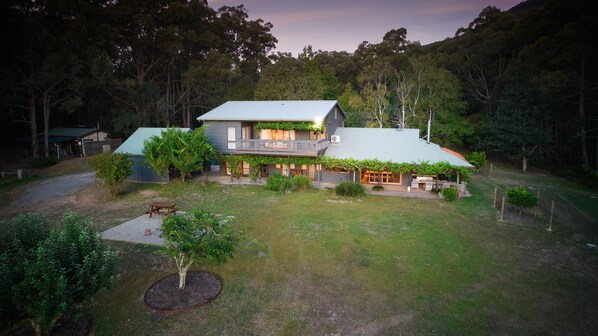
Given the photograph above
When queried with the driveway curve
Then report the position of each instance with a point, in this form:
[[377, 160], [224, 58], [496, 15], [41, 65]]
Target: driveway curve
[[56, 187]]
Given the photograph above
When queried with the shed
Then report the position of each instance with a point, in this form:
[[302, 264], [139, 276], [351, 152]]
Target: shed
[[133, 146]]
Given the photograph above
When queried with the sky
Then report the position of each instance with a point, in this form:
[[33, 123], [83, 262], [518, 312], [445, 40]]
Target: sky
[[343, 24]]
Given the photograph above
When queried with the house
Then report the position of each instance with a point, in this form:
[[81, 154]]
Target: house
[[296, 137], [288, 135], [133, 146]]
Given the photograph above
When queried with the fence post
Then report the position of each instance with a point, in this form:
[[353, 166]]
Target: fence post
[[490, 175], [551, 212], [502, 209], [494, 201], [20, 174]]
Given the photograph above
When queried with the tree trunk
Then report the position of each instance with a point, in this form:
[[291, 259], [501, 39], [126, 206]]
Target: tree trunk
[[525, 164], [36, 327], [180, 264], [182, 278], [33, 121], [46, 111], [582, 117]]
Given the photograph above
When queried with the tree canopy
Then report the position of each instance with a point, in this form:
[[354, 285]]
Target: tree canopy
[[128, 63]]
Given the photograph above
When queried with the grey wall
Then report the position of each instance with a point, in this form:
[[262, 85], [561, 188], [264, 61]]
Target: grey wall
[[331, 123], [216, 134], [336, 177], [142, 172]]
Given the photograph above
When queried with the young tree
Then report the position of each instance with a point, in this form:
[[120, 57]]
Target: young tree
[[522, 198], [196, 236], [184, 151], [113, 169]]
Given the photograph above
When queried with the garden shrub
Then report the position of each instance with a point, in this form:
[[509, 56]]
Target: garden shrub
[[450, 194], [286, 185], [113, 169], [521, 197], [350, 189], [378, 188], [301, 182], [274, 182]]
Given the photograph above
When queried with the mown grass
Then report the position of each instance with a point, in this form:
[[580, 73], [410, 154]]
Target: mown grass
[[311, 263]]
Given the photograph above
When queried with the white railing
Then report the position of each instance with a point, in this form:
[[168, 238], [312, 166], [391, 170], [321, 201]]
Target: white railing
[[292, 146]]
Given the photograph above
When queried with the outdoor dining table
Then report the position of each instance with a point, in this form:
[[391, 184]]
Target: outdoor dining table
[[161, 208]]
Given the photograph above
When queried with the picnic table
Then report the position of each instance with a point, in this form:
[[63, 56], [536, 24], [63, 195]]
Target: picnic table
[[161, 208]]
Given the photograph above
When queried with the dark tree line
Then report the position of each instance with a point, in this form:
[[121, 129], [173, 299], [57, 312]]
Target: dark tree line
[[125, 63], [521, 83]]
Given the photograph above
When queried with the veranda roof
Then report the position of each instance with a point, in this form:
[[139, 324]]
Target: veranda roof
[[389, 144]]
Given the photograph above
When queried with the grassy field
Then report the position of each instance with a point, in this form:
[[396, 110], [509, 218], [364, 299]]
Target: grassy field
[[311, 263]]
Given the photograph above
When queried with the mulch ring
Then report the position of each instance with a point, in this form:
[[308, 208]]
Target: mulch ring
[[200, 288]]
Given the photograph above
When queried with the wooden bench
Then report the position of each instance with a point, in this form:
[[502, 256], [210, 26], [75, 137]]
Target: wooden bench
[[161, 209]]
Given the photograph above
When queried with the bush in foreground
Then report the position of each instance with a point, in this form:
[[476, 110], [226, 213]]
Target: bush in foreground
[[57, 275], [350, 189]]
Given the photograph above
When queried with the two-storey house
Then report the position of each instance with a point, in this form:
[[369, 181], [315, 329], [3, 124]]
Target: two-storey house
[[298, 132], [283, 129]]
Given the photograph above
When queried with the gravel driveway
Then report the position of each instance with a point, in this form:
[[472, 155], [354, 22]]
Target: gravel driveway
[[52, 188]]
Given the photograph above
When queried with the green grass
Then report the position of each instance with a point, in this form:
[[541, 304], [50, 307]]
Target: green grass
[[312, 263], [382, 265]]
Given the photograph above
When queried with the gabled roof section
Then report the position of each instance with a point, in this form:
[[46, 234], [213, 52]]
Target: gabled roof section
[[389, 144], [274, 110], [134, 144]]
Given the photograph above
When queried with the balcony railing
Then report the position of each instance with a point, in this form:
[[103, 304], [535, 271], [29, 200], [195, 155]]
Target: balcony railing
[[288, 147]]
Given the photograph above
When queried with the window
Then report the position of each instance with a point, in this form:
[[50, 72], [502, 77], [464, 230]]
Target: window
[[245, 167], [267, 134], [231, 137], [335, 113]]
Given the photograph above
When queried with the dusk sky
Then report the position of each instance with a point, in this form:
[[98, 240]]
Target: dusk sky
[[343, 24]]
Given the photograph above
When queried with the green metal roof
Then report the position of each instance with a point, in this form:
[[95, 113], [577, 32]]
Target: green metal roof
[[275, 110], [76, 132], [134, 144], [389, 144]]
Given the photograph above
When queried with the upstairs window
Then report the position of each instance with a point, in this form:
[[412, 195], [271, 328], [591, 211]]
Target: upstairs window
[[231, 135]]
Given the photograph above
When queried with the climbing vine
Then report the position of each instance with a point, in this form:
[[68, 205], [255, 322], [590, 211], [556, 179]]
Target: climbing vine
[[422, 168], [287, 126]]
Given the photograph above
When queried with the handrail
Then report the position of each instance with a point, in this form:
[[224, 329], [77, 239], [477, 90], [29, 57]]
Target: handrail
[[267, 145]]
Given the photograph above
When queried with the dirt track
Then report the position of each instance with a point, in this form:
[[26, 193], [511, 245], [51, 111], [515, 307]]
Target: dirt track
[[49, 194]]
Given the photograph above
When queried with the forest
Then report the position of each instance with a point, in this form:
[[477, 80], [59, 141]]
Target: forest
[[520, 84]]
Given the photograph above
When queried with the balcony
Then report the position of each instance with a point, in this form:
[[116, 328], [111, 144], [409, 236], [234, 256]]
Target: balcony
[[282, 147]]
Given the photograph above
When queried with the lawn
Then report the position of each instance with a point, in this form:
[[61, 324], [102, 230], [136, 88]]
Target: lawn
[[312, 263]]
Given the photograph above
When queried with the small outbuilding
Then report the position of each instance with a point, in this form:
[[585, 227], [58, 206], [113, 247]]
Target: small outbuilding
[[133, 146]]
